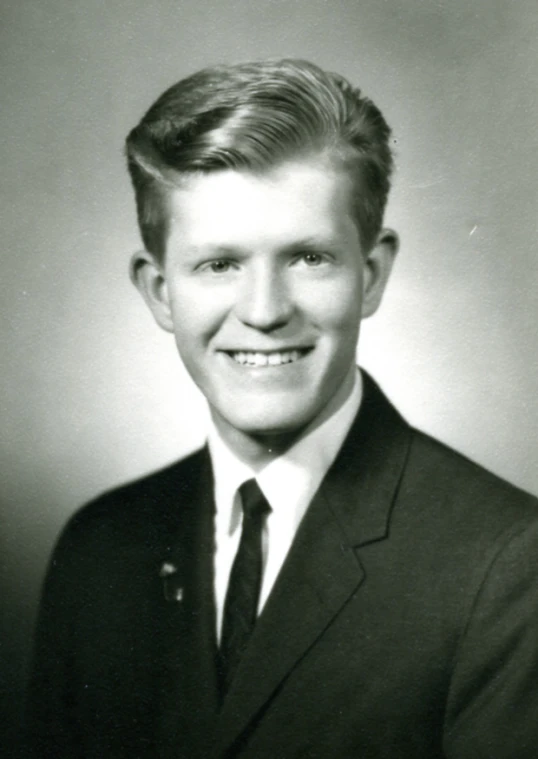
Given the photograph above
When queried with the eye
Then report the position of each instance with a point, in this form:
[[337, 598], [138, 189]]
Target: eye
[[311, 258], [219, 266]]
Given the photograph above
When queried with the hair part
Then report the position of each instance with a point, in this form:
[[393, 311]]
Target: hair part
[[253, 117]]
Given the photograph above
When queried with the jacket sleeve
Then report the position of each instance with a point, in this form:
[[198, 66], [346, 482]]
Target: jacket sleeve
[[49, 728], [492, 708]]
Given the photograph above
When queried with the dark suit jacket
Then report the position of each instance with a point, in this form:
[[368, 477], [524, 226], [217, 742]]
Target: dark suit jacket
[[404, 622]]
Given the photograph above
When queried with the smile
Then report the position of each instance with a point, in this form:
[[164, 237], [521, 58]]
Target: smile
[[273, 358]]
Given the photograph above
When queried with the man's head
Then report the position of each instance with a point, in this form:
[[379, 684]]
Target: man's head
[[253, 117], [264, 247]]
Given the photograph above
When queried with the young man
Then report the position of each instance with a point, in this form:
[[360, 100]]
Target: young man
[[321, 580]]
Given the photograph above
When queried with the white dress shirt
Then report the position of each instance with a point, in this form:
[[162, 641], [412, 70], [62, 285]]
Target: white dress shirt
[[289, 483]]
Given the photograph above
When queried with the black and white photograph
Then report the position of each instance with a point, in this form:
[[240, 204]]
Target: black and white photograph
[[268, 418]]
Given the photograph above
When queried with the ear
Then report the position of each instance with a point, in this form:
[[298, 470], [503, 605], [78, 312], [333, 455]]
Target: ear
[[147, 274], [377, 268]]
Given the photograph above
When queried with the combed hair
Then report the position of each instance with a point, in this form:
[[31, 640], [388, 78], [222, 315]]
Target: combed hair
[[252, 117]]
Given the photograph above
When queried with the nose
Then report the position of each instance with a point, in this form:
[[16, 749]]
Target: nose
[[264, 301]]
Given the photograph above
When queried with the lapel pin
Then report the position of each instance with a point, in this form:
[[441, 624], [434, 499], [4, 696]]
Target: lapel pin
[[167, 569], [174, 594], [172, 590]]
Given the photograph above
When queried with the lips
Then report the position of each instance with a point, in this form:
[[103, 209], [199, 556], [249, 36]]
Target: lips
[[268, 358]]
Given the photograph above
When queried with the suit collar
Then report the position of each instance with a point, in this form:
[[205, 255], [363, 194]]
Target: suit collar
[[351, 508], [362, 483]]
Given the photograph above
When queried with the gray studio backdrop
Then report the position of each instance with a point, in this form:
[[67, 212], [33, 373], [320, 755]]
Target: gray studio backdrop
[[92, 394]]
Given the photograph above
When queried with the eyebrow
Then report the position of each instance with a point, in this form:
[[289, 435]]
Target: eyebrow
[[313, 243], [310, 243]]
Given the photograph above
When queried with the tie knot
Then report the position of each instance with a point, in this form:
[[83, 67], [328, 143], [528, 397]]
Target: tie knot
[[253, 501]]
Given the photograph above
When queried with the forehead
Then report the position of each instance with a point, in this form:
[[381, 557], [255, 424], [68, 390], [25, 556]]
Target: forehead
[[297, 198]]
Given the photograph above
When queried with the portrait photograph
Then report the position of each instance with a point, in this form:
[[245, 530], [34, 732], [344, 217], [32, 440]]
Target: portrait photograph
[[268, 418]]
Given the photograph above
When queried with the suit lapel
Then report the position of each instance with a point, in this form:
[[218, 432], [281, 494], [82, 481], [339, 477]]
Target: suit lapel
[[323, 569], [188, 685]]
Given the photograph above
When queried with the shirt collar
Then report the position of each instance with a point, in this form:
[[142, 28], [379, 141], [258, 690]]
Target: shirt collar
[[290, 481]]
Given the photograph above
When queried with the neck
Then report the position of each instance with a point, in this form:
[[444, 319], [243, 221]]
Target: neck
[[258, 450]]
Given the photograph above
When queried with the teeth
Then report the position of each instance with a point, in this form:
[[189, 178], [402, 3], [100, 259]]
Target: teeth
[[266, 359]]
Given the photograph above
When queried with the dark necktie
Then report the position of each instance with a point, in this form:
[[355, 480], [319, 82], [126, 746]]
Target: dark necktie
[[241, 604]]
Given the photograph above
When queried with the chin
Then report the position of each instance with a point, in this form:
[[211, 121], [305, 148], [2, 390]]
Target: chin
[[269, 422]]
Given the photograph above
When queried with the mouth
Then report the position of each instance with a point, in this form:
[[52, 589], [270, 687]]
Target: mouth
[[268, 358]]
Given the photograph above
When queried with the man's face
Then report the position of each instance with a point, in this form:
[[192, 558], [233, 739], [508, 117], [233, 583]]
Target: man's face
[[263, 283]]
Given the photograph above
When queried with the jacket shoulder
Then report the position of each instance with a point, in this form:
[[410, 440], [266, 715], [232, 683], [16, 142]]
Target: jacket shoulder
[[138, 510], [460, 484]]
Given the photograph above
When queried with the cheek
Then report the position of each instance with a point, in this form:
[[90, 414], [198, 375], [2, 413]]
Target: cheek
[[196, 313], [337, 307]]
